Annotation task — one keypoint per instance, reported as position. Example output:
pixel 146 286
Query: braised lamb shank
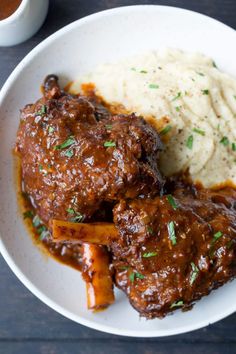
pixel 170 243
pixel 75 155
pixel 174 249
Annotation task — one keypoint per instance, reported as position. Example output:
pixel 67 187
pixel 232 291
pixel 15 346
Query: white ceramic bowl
pixel 24 22
pixel 71 52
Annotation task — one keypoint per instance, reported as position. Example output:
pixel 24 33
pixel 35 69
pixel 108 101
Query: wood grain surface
pixel 26 324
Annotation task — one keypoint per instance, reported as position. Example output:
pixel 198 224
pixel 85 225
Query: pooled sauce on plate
pixel 8 7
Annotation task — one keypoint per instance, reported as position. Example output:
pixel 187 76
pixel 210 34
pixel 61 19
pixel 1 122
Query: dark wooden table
pixel 27 326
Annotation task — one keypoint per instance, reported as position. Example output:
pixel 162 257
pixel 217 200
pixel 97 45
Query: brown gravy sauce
pixel 8 7
pixel 66 253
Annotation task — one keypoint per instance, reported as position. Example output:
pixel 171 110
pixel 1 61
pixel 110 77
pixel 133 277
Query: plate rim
pixel 3 251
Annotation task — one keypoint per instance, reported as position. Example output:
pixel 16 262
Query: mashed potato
pixel 190 101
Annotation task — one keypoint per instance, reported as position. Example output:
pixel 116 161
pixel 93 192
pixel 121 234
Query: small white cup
pixel 24 22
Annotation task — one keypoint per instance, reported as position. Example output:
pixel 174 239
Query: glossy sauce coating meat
pixel 175 249
pixel 75 155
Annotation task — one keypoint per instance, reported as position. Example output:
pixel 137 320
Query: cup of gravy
pixel 20 19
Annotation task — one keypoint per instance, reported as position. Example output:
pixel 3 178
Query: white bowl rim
pixel 20 275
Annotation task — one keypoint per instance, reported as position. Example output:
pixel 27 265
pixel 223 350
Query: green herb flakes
pixel 224 141
pixel 42 111
pixel 177 109
pixel 51 130
pixel 28 214
pixel 194 273
pixel 150 230
pixel 229 244
pixel 143 72
pixel 77 216
pixel 177 96
pixel 189 142
pixel 109 144
pixel 136 275
pixel 123 268
pixel 44 233
pixel 172 201
pixel 199 73
pixel 70 211
pixel 68 142
pixel 153 86
pixel 149 254
pixel 205 92
pixel 69 153
pixel 234 146
pixel 165 130
pixel 36 221
pixel 177 304
pixel 108 127
pixel 217 235
pixel 171 232
pixel 199 131
pixel 214 64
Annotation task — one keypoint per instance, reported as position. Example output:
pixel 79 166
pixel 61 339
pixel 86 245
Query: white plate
pixel 71 52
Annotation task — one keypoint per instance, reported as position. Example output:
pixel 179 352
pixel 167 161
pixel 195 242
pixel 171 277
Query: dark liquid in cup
pixel 8 7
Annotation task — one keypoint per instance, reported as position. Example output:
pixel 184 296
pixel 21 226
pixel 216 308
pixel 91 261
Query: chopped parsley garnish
pixel 165 130
pixel 149 254
pixel 108 126
pixel 77 216
pixel 172 201
pixel 41 229
pixel 123 268
pixel 224 141
pixel 229 244
pixel 177 108
pixel 51 130
pixel 135 275
pixel 189 142
pixel 133 69
pixel 42 111
pixel 109 144
pixel 131 277
pixel 150 230
pixel 177 304
pixel 200 74
pixel 40 168
pixel 234 146
pixel 205 92
pixel 28 214
pixel 171 232
pixel 235 97
pixel 43 232
pixel 217 235
pixel 69 153
pixel 143 72
pixel 68 142
pixel 153 86
pixel 36 221
pixel 199 131
pixel 177 96
pixel 194 273
pixel 214 64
